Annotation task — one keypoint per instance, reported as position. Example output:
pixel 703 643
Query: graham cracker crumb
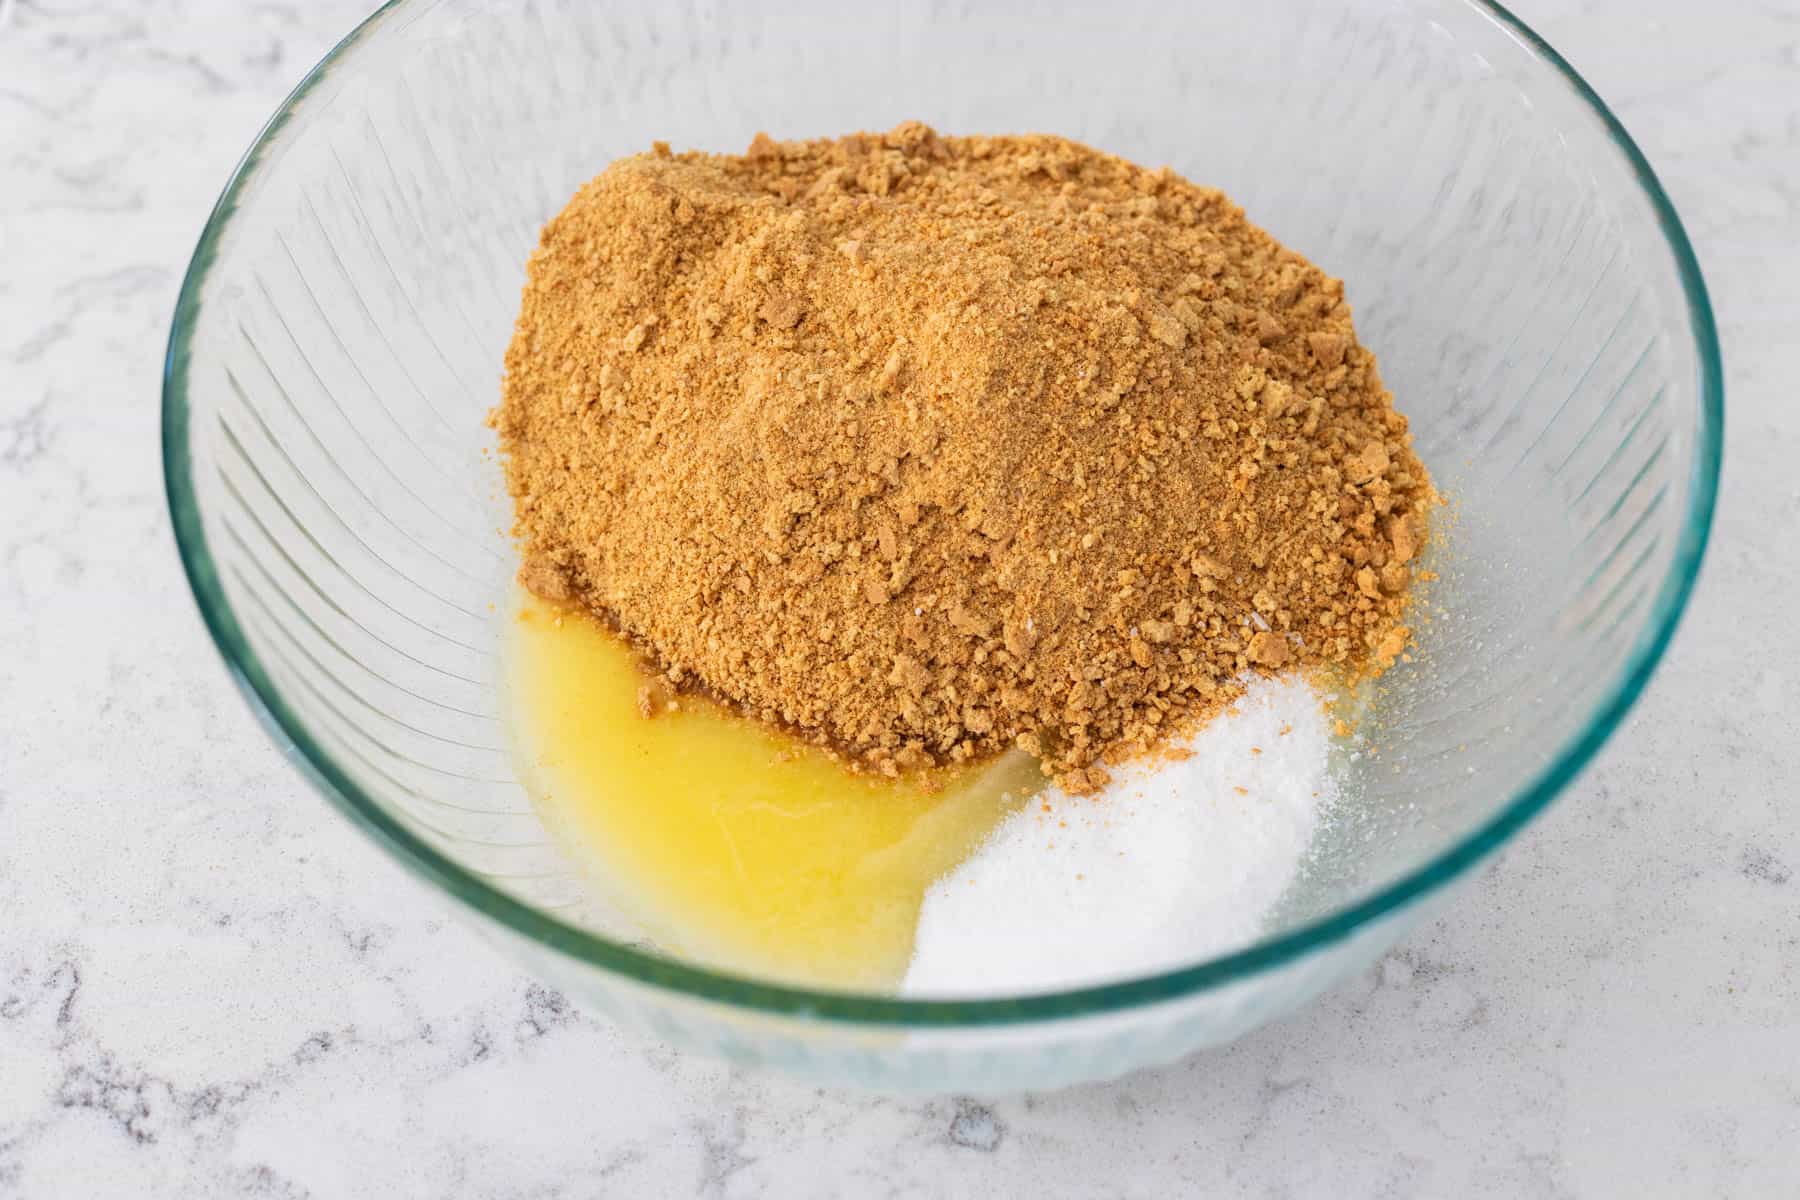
pixel 926 447
pixel 1269 650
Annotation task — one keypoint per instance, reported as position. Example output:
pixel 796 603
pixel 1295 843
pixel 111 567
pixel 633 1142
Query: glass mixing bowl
pixel 1534 302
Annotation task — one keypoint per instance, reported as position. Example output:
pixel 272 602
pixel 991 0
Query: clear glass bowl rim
pixel 870 1009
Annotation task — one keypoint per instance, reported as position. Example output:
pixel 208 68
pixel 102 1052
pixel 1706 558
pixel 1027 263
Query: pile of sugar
pixel 1176 861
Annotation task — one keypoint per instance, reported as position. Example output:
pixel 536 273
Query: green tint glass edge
pixel 853 1008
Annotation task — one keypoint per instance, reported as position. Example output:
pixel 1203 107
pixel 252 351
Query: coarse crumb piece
pixel 931 446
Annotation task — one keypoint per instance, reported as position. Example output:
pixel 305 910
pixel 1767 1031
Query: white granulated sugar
pixel 1170 864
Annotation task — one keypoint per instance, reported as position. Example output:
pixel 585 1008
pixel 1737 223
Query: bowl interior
pixel 340 340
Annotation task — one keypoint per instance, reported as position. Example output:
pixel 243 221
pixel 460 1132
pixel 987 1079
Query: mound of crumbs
pixel 924 447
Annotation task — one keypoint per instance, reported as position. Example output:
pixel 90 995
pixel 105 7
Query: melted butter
pixel 729 841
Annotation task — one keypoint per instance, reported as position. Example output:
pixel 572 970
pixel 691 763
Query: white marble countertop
pixel 211 985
